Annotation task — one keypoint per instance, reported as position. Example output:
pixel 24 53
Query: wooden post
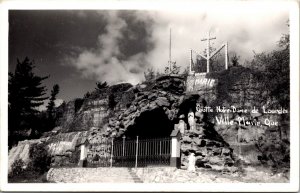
pixel 136 151
pixel 175 149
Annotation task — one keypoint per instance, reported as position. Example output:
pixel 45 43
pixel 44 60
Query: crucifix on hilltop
pixel 208 55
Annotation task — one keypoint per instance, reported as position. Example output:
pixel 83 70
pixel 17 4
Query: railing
pixel 131 153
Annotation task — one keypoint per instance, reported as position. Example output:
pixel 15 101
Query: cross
pixel 207 51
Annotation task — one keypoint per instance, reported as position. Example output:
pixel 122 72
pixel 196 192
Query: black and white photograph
pixel 179 98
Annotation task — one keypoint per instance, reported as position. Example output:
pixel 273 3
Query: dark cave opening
pixel 150 124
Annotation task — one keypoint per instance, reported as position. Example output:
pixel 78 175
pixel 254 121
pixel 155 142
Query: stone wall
pixel 61 148
pixel 165 93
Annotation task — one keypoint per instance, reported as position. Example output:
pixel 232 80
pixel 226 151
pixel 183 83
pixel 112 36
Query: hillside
pixel 151 109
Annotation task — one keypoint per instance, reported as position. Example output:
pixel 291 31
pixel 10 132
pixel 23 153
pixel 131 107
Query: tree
pixel 101 85
pixel 149 74
pixel 25 94
pixel 174 69
pixel 51 106
pixel 276 68
pixel 87 95
pixel 235 60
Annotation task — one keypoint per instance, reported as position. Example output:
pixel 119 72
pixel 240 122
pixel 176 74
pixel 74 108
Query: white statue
pixel 192 162
pixel 191 120
pixel 181 124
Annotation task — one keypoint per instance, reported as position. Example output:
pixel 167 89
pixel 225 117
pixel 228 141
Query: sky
pixel 77 48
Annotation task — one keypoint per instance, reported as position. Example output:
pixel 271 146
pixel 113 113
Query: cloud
pixel 136 40
pixel 107 62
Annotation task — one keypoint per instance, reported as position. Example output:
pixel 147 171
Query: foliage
pixel 274 153
pixel 35 170
pixel 40 160
pixel 87 95
pixel 101 85
pixel 50 107
pixel 17 168
pixel 235 60
pixel 276 67
pixel 51 104
pixel 25 94
pixel 149 74
pixel 174 69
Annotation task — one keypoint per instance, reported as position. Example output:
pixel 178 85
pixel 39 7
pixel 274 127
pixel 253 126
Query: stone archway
pixel 150 124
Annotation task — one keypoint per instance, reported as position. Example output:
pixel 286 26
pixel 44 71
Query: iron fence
pixel 130 153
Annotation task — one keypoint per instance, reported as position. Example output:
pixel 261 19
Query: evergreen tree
pixel 25 94
pixel 51 106
pixel 235 60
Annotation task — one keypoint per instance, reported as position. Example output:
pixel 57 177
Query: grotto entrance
pixel 153 146
pixel 150 124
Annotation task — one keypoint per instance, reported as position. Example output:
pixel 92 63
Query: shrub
pixel 40 160
pixel 17 168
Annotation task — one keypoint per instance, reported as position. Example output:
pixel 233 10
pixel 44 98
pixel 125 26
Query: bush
pixel 17 168
pixel 40 160
pixel 275 153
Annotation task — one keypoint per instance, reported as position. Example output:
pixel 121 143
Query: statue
pixel 191 120
pixel 181 125
pixel 192 162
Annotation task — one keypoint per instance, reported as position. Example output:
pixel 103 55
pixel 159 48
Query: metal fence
pixel 130 153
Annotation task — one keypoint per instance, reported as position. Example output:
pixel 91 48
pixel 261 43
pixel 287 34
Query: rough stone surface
pixel 173 175
pixel 95 175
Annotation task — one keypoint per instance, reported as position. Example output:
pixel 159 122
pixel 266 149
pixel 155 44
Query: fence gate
pixel 130 153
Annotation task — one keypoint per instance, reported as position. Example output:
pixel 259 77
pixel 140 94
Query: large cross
pixel 207 49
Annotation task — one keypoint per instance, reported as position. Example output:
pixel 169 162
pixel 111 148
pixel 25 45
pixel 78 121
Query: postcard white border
pixel 158 5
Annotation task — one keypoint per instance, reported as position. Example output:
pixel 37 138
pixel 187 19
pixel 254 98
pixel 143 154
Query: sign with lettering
pixel 199 81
